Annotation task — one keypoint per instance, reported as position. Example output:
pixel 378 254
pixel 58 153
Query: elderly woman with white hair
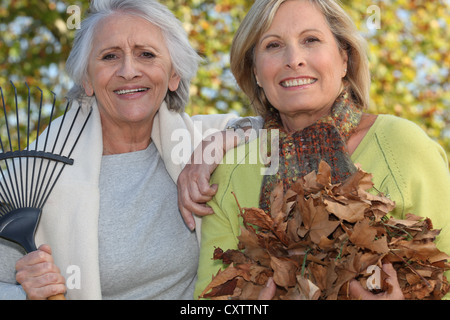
pixel 111 228
pixel 304 66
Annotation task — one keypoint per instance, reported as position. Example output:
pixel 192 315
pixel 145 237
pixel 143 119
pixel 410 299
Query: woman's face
pixel 130 70
pixel 299 65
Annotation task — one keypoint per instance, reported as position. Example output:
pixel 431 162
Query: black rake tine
pixel 40 179
pixel 60 128
pixel 19 148
pixel 19 202
pixel 81 131
pixel 73 147
pixel 3 209
pixel 47 193
pixel 39 189
pixel 32 191
pixel 55 164
pixel 24 194
pixel 28 144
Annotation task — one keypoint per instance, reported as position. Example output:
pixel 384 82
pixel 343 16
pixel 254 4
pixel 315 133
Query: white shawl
pixel 69 222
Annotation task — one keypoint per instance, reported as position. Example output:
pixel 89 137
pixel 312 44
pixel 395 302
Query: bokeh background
pixel 409 42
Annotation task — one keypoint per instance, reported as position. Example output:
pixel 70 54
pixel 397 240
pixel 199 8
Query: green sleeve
pixel 220 230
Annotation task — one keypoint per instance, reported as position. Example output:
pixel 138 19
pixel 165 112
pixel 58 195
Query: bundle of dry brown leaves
pixel 320 236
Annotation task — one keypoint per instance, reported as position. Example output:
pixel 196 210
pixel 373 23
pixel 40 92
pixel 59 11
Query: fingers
pixel 397 293
pixel 358 292
pixel 188 218
pixel 269 291
pixel 194 191
pixel 188 206
pixel 200 191
pixel 46 248
pixel 390 271
pixel 39 276
pixel 194 187
pixel 43 254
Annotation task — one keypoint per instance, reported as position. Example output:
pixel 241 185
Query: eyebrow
pixel 109 49
pixel 277 36
pixel 138 46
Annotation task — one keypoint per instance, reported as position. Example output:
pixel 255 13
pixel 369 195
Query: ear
pixel 256 77
pixel 344 62
pixel 88 88
pixel 174 82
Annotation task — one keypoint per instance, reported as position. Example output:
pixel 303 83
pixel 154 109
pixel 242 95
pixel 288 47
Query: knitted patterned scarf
pixel 301 151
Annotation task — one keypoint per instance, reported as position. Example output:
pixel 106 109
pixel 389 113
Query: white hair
pixel 184 58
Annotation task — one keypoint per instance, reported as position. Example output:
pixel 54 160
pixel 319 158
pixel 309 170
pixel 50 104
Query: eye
pixel 147 54
pixel 272 45
pixel 109 56
pixel 311 40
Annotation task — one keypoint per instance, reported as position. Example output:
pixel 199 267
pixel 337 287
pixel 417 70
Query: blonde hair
pixel 259 19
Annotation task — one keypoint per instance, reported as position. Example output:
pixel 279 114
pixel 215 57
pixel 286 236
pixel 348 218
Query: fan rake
pixel 28 175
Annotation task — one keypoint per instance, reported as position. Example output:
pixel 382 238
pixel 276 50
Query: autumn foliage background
pixel 409 53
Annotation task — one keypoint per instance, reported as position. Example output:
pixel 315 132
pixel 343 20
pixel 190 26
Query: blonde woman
pixel 304 67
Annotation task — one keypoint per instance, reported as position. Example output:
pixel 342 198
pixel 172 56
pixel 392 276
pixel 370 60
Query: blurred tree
pixel 409 60
pixel 408 42
pixel 211 25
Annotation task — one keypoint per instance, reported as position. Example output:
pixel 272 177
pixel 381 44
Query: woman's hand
pixel 194 189
pixel 268 292
pixel 358 292
pixel 39 276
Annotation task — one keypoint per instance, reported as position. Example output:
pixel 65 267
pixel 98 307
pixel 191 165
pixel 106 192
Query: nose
pixel 295 57
pixel 128 69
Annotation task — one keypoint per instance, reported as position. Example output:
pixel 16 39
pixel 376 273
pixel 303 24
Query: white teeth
pixel 297 82
pixel 120 92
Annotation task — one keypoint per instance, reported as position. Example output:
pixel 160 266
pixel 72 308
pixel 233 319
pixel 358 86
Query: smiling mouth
pixel 297 82
pixel 122 92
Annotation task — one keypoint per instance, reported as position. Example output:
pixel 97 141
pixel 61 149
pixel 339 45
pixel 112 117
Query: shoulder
pixel 403 138
pixel 207 124
pixel 401 144
pixel 397 127
pixel 405 163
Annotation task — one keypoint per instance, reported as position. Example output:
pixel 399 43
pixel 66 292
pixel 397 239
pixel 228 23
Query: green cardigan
pixel 406 165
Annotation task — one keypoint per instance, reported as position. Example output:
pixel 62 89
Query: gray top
pixel 9 254
pixel 146 250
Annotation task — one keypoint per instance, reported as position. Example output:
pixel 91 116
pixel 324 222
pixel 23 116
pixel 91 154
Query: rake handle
pixel 57 297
